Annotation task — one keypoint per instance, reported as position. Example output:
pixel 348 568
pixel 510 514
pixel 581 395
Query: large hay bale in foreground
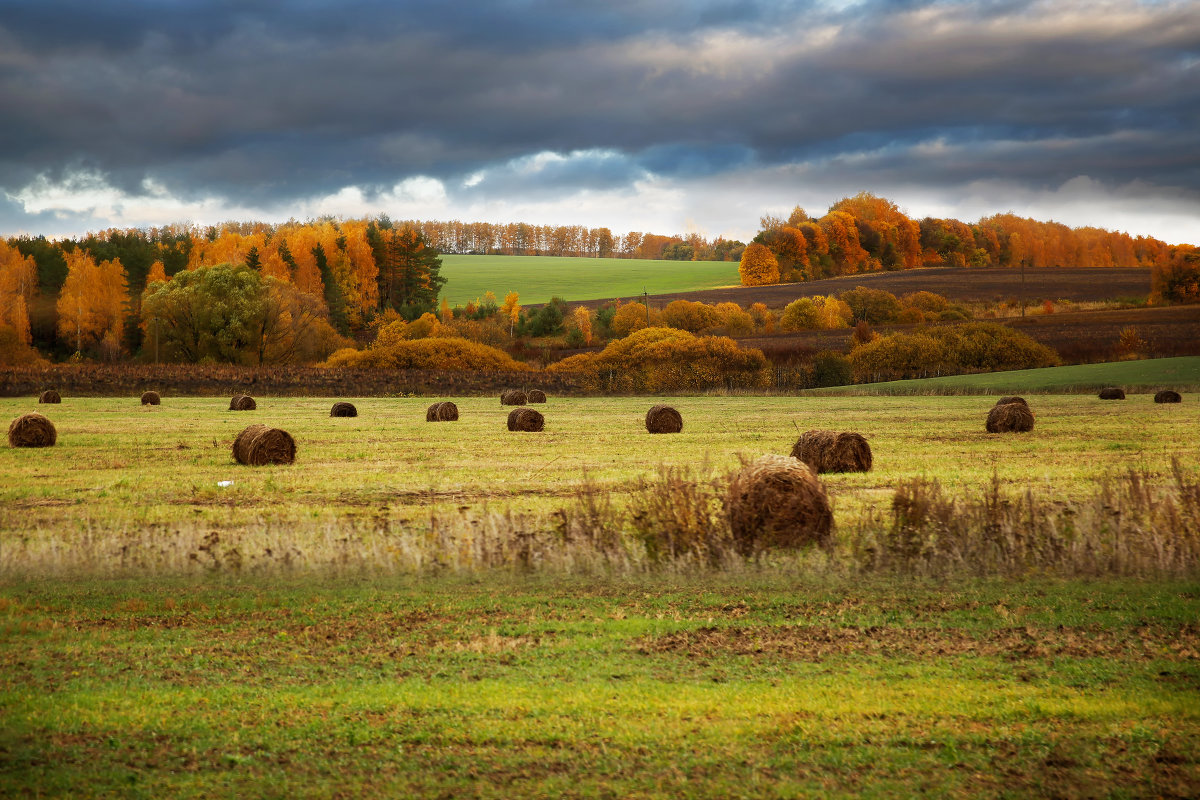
pixel 1010 418
pixel 49 396
pixel 1168 396
pixel 444 411
pixel 536 396
pixel 850 452
pixel 811 447
pixel 777 501
pixel 151 399
pixel 259 445
pixel 32 430
pixel 1112 393
pixel 663 419
pixel 513 397
pixel 343 409
pixel 242 402
pixel 1006 400
pixel 526 419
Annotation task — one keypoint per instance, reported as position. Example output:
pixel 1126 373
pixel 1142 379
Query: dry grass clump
pixel 343 409
pixel 526 419
pixel 1006 400
pixel 829 451
pixel 536 396
pixel 444 411
pixel 777 502
pixel 1010 418
pixel 259 445
pixel 242 402
pixel 32 430
pixel 663 419
pixel 151 399
pixel 1112 393
pixel 1168 396
pixel 49 396
pixel 513 397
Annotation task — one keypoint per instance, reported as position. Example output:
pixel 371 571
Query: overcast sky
pixel 665 116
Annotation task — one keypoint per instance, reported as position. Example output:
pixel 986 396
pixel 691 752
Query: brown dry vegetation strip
pixel 817 642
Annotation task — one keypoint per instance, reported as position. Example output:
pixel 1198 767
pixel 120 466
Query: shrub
pixel 830 368
pixel 871 305
pixel 973 347
pixel 629 318
pixel 815 313
pixel 15 353
pixel 925 301
pixel 758 266
pixel 438 354
pixel 688 316
pixel 734 320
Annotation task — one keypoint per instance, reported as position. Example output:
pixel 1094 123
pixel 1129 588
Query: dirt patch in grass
pixel 816 643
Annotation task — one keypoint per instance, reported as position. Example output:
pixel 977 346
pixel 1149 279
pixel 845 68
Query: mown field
pixel 330 629
pixel 538 278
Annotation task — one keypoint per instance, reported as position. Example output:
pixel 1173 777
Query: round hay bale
pixel 242 402
pixel 513 397
pixel 850 452
pixel 444 411
pixel 777 501
pixel 260 444
pixel 1010 418
pixel 1168 396
pixel 151 399
pixel 1112 393
pixel 1006 400
pixel 536 396
pixel 49 396
pixel 32 430
pixel 343 409
pixel 526 419
pixel 663 419
pixel 812 446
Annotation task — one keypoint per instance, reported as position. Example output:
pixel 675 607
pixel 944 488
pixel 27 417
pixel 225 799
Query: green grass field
pixel 538 278
pixel 322 664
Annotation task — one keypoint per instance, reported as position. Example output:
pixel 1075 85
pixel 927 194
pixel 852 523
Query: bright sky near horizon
pixel 667 117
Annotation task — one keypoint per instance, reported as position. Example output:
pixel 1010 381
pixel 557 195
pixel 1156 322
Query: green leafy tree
pixel 210 312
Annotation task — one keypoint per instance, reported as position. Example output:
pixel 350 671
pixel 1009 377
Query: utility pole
pixel 156 339
pixel 646 295
pixel 1023 260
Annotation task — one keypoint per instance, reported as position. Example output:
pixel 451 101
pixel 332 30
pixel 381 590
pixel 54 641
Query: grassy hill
pixel 538 278
pixel 1181 373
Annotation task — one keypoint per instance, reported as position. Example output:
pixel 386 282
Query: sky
pixel 669 116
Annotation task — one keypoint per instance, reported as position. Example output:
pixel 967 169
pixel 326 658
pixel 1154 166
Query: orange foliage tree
pixel 759 266
pixel 92 304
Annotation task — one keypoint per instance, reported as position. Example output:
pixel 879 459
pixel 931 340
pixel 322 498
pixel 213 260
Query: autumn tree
pixel 18 288
pixel 91 305
pixel 581 321
pixel 758 266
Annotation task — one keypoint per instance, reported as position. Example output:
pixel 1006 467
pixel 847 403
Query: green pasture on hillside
pixel 1149 375
pixel 538 278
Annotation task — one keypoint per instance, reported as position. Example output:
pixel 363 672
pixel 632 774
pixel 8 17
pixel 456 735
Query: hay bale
pixel 850 452
pixel 1010 418
pixel 1168 396
pixel 812 446
pixel 49 396
pixel 444 411
pixel 777 501
pixel 526 419
pixel 151 399
pixel 1006 400
pixel 1112 393
pixel 343 409
pixel 242 402
pixel 536 396
pixel 260 444
pixel 663 419
pixel 32 430
pixel 513 397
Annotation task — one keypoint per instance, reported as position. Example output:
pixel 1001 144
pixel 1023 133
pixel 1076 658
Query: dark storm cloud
pixel 266 102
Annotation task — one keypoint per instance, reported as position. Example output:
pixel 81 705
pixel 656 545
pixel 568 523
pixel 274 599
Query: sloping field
pixel 539 278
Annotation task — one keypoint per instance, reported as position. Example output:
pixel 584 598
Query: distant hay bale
pixel 151 399
pixel 1112 393
pixel 242 402
pixel 513 397
pixel 259 445
pixel 1168 396
pixel 663 419
pixel 850 452
pixel 1010 418
pixel 812 446
pixel 32 430
pixel 778 502
pixel 343 409
pixel 1006 400
pixel 536 396
pixel 49 396
pixel 526 419
pixel 444 411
